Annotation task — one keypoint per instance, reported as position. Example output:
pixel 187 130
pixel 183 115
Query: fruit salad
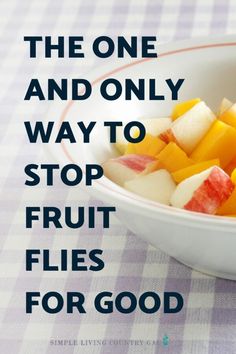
pixel 187 160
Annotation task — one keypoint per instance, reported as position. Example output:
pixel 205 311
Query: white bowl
pixel 206 243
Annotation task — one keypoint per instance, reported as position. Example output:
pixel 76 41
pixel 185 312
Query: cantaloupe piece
pixel 173 158
pixel 150 145
pixel 231 166
pixel 233 176
pixel 229 207
pixel 153 126
pixel 189 171
pixel 219 142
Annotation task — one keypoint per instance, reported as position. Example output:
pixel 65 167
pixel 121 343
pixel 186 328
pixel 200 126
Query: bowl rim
pixel 109 190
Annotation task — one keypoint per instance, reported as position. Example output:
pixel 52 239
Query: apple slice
pixel 224 105
pixel 153 126
pixel 156 126
pixel 182 107
pixel 157 186
pixel 229 116
pixel 204 192
pixel 190 128
pixel 125 168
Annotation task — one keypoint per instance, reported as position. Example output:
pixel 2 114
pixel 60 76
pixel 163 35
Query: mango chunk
pixel 183 107
pixel 150 145
pixel 189 171
pixel 229 116
pixel 219 142
pixel 173 158
pixel 229 207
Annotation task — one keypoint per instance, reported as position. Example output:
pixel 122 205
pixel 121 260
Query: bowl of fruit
pixel 176 187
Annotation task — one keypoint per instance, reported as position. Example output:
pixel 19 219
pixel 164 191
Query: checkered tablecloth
pixel 207 323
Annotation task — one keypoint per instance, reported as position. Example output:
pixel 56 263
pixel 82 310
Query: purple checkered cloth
pixel 207 323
